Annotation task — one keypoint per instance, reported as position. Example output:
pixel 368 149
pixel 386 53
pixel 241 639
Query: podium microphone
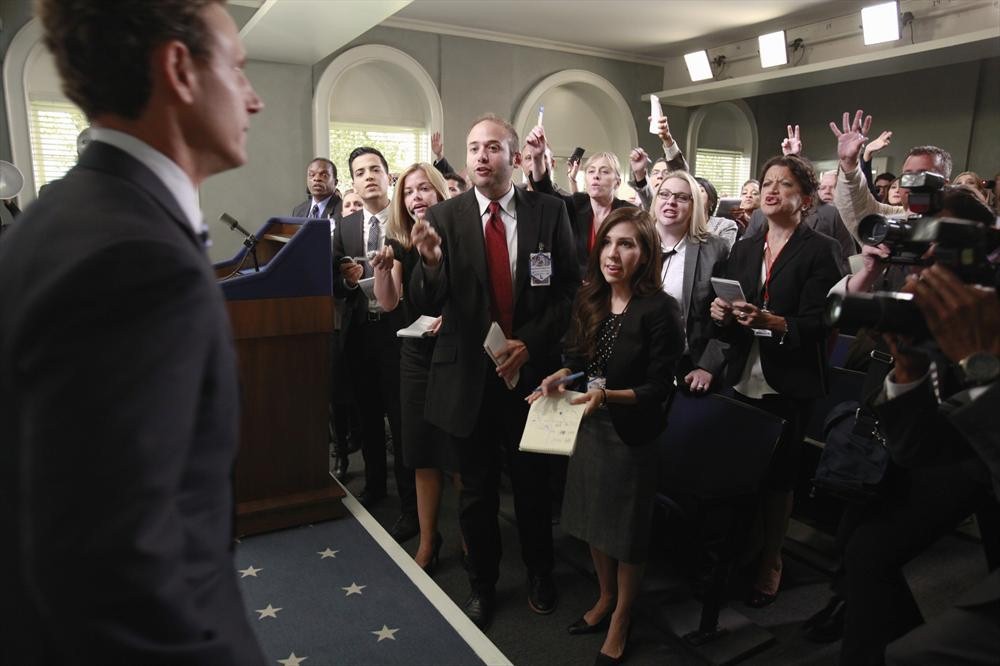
pixel 250 240
pixel 234 224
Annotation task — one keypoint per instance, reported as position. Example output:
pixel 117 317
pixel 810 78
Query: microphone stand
pixel 250 243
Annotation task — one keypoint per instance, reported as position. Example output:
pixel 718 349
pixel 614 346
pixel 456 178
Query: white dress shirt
pixel 752 383
pixel 170 174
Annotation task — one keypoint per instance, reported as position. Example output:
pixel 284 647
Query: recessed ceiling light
pixel 772 49
pixel 881 23
pixel 698 65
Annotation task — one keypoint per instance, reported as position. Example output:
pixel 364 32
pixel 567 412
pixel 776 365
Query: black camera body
pixel 963 246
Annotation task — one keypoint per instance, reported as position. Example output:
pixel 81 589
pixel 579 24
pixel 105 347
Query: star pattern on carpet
pixel 354 588
pixel 270 611
pixel 384 633
pixel 249 571
pixel 292 660
pixel 323 554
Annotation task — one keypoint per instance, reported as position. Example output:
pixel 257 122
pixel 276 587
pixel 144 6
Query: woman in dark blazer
pixel 776 356
pixel 691 256
pixel 626 336
pixel 588 209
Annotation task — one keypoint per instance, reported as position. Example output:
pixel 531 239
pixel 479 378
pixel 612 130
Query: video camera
pixel 963 246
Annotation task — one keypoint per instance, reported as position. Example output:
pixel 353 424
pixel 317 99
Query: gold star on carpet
pixel 384 633
pixel 353 589
pixel 250 571
pixel 270 611
pixel 292 660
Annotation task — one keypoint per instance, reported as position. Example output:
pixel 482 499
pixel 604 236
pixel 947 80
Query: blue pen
pixel 568 379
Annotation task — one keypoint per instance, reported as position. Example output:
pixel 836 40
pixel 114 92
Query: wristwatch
pixel 980 368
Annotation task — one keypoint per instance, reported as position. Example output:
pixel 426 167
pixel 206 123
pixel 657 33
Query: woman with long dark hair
pixel 626 335
pixel 426 449
pixel 776 354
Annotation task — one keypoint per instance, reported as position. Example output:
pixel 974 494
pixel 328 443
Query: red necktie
pixel 498 263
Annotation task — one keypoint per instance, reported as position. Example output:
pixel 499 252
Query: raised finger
pixel 866 125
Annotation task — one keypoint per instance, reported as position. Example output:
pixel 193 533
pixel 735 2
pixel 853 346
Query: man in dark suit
pixel 118 386
pixel 369 340
pixel 323 201
pixel 496 254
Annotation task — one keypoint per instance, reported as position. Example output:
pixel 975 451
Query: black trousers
pixel 923 505
pixel 497 433
pixel 373 350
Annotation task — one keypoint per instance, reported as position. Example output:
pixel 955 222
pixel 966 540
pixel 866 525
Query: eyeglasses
pixel 680 197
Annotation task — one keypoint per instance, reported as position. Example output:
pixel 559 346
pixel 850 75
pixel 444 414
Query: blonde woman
pixel 426 449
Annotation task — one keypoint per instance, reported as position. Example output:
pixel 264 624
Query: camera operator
pixel 965 323
pixel 936 479
pixel 853 199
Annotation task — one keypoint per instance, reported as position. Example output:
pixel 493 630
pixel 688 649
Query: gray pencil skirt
pixel 609 491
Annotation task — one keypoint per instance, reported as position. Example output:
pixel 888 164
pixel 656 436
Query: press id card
pixel 540 265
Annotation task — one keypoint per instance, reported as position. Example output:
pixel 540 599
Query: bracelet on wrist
pixel 604 397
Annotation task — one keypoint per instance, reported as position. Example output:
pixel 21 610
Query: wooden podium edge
pixel 267 515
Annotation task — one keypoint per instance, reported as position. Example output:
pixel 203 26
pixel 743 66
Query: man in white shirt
pixel 119 400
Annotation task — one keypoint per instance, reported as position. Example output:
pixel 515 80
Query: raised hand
pixel 437 146
pixel 427 241
pixel 883 140
pixel 537 143
pixel 638 160
pixel 383 259
pixel 850 137
pixel 665 136
pixel 793 144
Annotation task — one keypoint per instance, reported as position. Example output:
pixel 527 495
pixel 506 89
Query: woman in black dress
pixel 776 340
pixel 426 449
pixel 626 335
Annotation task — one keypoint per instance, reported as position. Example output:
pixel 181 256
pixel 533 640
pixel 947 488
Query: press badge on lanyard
pixel 540 264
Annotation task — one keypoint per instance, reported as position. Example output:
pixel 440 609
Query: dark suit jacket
pixel 702 261
pixel 649 343
pixel 459 289
pixel 118 416
pixel 349 241
pixel 581 215
pixel 332 209
pixel 800 279
pixel 825 219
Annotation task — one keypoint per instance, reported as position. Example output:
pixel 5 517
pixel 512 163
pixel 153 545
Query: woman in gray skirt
pixel 626 336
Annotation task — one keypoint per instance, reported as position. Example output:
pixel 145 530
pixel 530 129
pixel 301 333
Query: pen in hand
pixel 568 379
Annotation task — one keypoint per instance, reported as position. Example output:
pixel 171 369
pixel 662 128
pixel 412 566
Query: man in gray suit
pixel 118 389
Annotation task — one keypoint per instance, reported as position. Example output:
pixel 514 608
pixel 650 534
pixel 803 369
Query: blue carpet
pixel 339 598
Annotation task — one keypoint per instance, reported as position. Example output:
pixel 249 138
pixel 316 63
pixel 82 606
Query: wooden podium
pixel 282 319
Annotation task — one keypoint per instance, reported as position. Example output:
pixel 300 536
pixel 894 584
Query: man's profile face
pixel 224 99
pixel 371 181
pixel 488 157
pixel 319 180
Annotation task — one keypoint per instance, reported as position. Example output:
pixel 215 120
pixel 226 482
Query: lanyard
pixel 770 268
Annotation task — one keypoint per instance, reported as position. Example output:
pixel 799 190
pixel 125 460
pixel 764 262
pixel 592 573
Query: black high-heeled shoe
pixel 435 555
pixel 581 627
pixel 607 660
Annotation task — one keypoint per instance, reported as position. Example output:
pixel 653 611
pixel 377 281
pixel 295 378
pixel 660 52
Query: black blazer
pixel 581 215
pixel 459 289
pixel 825 219
pixel 649 343
pixel 119 410
pixel 805 271
pixel 702 261
pixel 349 241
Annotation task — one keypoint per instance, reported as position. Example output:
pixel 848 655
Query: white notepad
pixel 728 290
pixel 420 328
pixel 495 345
pixel 553 424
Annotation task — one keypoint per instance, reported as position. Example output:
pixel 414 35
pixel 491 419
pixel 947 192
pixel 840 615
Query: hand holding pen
pixel 556 381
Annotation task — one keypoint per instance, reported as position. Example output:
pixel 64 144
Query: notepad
pixel 495 345
pixel 553 424
pixel 420 328
pixel 728 290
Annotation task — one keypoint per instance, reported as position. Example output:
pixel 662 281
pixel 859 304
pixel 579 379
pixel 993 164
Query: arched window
pixel 44 124
pixel 581 109
pixel 724 141
pixel 378 96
